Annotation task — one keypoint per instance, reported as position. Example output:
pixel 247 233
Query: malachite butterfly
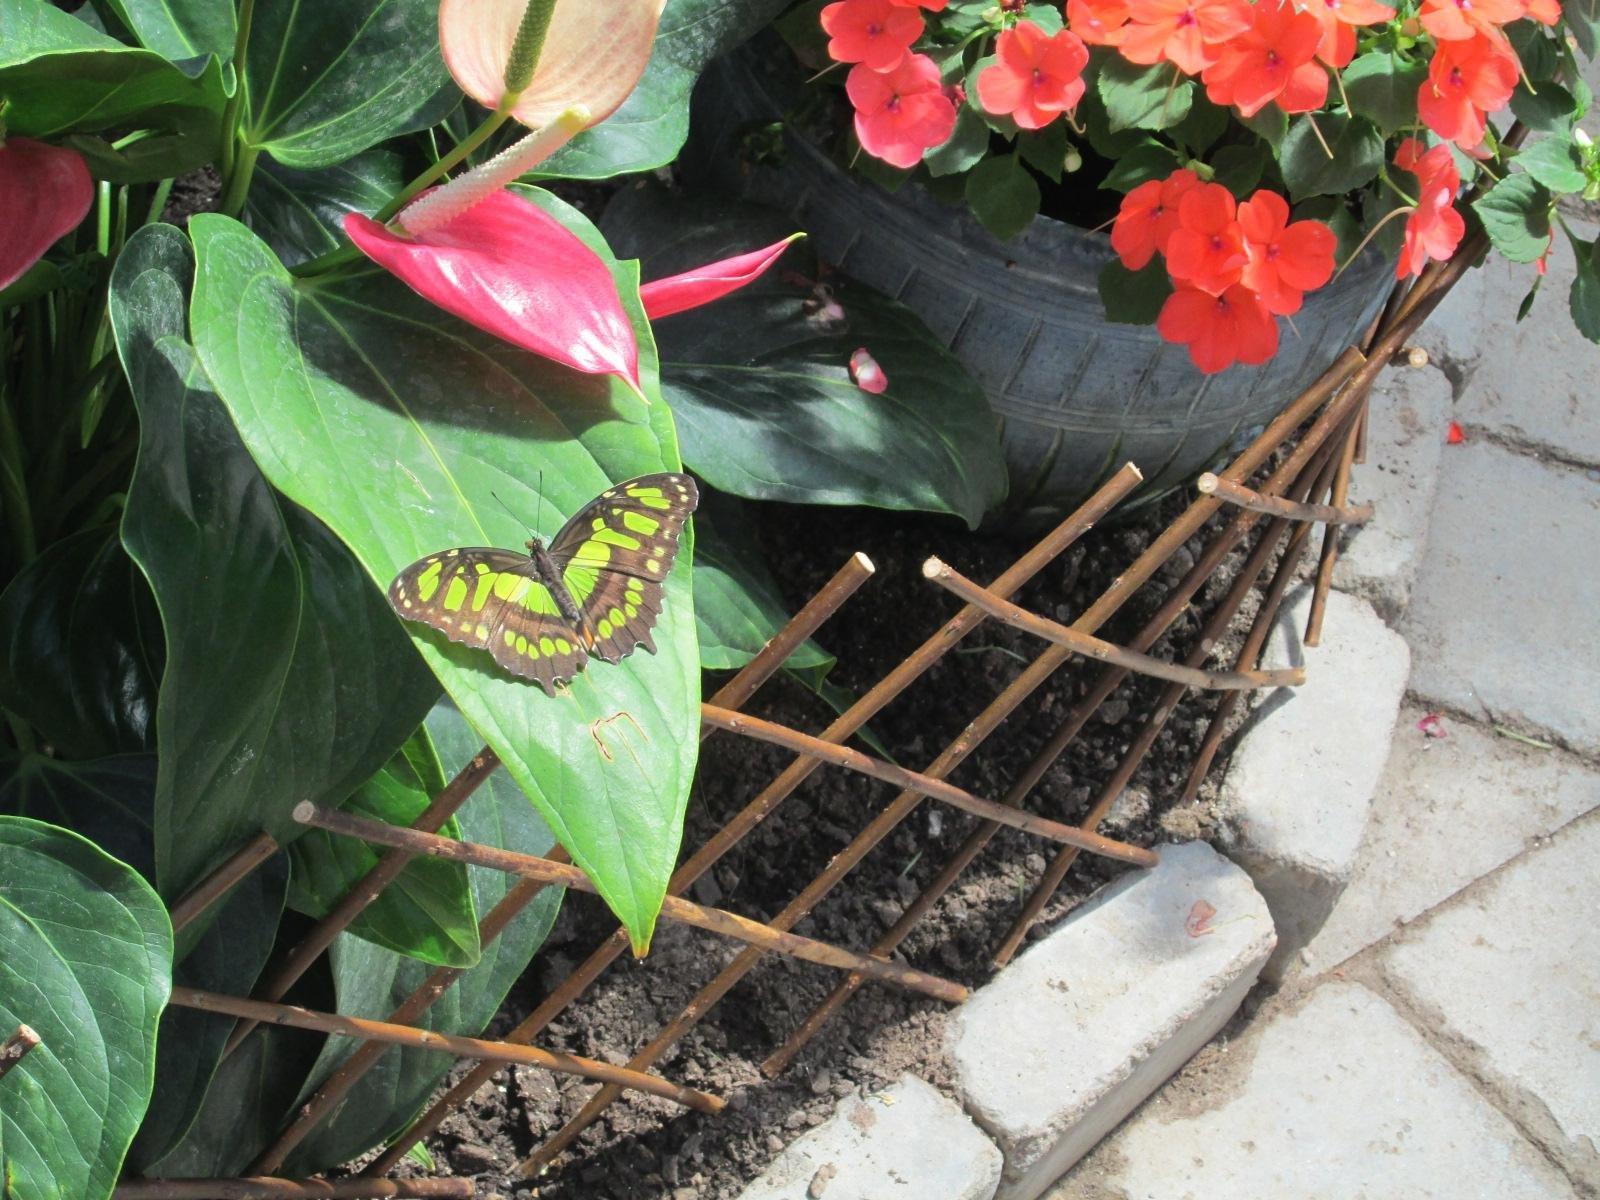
pixel 595 591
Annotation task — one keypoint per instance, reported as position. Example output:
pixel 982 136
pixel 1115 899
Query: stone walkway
pixel 1440 1035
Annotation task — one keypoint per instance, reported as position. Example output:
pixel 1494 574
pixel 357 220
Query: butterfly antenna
pixel 509 511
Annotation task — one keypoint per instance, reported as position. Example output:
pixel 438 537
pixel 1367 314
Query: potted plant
pixel 1038 180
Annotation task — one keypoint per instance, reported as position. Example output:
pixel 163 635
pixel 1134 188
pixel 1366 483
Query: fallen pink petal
pixel 1454 434
pixel 1198 922
pixel 866 374
pixel 1432 725
pixel 513 270
pixel 702 285
pixel 44 192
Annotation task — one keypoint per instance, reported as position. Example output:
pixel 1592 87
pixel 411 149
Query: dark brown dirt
pixel 648 1148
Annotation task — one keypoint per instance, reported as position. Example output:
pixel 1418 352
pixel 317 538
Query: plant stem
pixel 231 114
pixel 158 202
pixel 244 167
pixel 102 220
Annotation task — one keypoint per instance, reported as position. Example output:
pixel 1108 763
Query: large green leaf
pixel 409 433
pixel 299 213
pixel 59 75
pixel 85 959
pixel 650 127
pixel 427 912
pixel 287 677
pixel 1382 87
pixel 325 81
pixel 371 982
pixel 1327 154
pixel 760 387
pixel 181 29
pixel 81 652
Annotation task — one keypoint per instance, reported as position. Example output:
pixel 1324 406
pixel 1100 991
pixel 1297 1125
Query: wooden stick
pixel 16 1048
pixel 1277 506
pixel 261 1187
pixel 221 881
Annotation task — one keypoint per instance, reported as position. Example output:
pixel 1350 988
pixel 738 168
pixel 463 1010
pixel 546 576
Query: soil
pixel 644 1148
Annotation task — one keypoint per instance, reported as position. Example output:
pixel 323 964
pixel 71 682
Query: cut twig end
pixel 304 813
pixel 1132 468
pixel 865 563
pixel 17 1047
pixel 1206 484
pixel 933 567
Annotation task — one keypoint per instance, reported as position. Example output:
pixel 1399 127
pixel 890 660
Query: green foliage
pixel 1003 196
pixel 965 147
pixel 1516 216
pixel 1138 97
pixel 1383 88
pixel 1556 162
pixel 1585 296
pixel 1140 165
pixel 1326 154
pixel 1134 297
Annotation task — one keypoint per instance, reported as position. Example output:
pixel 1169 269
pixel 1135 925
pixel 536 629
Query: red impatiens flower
pixel 930 5
pixel 1458 20
pixel 1434 229
pixel 1148 217
pixel 875 33
pixel 1187 33
pixel 1467 80
pixel 1286 259
pixel 1206 250
pixel 1219 330
pixel 1036 76
pixel 1339 20
pixel 1098 22
pixel 1275 59
pixel 44 192
pixel 903 113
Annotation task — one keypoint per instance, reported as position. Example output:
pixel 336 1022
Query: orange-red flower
pixel 1339 20
pixel 876 33
pixel 1148 217
pixel 1275 59
pixel 1458 20
pixel 1219 330
pixel 1187 33
pixel 930 5
pixel 903 113
pixel 1206 250
pixel 1285 259
pixel 1434 228
pixel 1098 22
pixel 1467 80
pixel 1036 76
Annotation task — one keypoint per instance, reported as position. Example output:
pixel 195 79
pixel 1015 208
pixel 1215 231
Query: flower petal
pixel 513 270
pixel 866 374
pixel 585 60
pixel 691 289
pixel 44 191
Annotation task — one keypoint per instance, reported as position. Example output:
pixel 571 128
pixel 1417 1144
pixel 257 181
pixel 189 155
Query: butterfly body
pixel 595 591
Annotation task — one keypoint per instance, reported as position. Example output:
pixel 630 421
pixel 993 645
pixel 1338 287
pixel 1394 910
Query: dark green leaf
pixel 106 800
pixel 1270 124
pixel 1554 161
pixel 1526 306
pixel 1205 123
pixel 1239 168
pixel 427 912
pixel 759 381
pixel 650 127
pixel 85 959
pixel 1516 216
pixel 443 435
pixel 287 676
pixel 1383 88
pixel 736 600
pixel 801 30
pixel 1582 18
pixel 965 147
pixel 1134 297
pixel 1045 150
pixel 1003 196
pixel 1144 163
pixel 1348 154
pixel 82 648
pixel 1551 110
pixel 1138 97
pixel 1585 295
pixel 181 29
pixel 327 80
pixel 299 213
pixel 371 982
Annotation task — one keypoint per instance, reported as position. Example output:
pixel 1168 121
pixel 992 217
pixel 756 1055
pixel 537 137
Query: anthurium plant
pixel 1256 145
pixel 334 448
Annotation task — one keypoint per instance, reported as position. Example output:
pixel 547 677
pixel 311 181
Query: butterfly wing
pixel 491 599
pixel 615 553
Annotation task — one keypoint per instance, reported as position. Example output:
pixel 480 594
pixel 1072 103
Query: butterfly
pixel 595 591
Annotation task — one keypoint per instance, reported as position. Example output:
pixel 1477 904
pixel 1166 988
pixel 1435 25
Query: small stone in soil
pixel 707 891
pixel 822 1082
pixel 774 1143
pixel 1034 864
pixel 469 1158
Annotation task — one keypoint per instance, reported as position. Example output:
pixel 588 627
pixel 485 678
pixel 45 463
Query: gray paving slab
pixel 1409 413
pixel 1447 810
pixel 1504 611
pixel 1513 967
pixel 907 1142
pixel 1340 1099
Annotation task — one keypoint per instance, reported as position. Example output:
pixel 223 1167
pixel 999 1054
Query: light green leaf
pixel 181 29
pixel 1138 97
pixel 1554 161
pixel 409 433
pixel 1383 88
pixel 1516 215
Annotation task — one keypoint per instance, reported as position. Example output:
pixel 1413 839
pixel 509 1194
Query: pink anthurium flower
pixel 592 54
pixel 44 192
pixel 691 289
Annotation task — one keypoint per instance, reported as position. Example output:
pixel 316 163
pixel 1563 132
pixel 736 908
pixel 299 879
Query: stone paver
pixel 1504 608
pixel 1447 811
pixel 1340 1100
pixel 1074 1034
pixel 908 1142
pixel 1301 782
pixel 1410 410
pixel 1514 967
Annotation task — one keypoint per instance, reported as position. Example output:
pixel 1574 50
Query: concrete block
pixel 906 1143
pixel 1447 811
pixel 1502 617
pixel 1409 414
pixel 1071 1037
pixel 1301 782
pixel 1338 1100
pixel 1513 967
pixel 1453 334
